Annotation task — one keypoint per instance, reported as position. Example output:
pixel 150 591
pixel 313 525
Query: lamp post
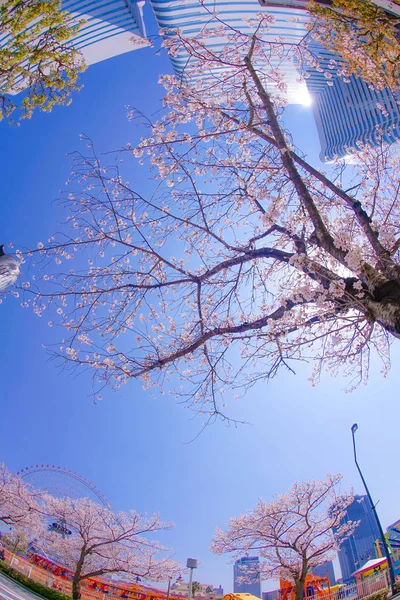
pixel 385 546
pixel 9 269
pixel 178 581
pixel 191 564
pixel 169 587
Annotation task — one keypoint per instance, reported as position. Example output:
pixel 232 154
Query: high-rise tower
pixel 287 24
pixel 347 113
pixel 359 547
pixel 248 567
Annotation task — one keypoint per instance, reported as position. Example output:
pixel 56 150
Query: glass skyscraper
pixel 345 113
pixel 349 112
pixel 359 547
pixel 190 17
pixel 248 567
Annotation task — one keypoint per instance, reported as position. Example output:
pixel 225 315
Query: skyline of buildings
pixel 247 566
pixel 345 113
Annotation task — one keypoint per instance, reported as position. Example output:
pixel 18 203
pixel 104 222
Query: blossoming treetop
pixel 244 259
pixel 291 534
pixel 19 506
pixel 101 541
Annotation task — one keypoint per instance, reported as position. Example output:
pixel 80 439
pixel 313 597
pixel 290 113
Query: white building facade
pixel 111 27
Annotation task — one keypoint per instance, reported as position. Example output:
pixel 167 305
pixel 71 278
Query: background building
pixel 345 113
pixel 393 537
pixel 350 112
pixel 359 547
pixel 247 566
pixel 203 590
pixel 289 24
pixel 325 570
pixel 271 595
pixel 111 28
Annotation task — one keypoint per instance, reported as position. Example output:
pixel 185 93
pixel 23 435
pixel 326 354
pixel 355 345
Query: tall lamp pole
pixel 385 546
pixel 191 564
pixel 169 587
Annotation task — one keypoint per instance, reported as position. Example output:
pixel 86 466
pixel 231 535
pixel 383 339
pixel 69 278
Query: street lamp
pixel 9 269
pixel 385 546
pixel 191 564
pixel 169 587
pixel 178 580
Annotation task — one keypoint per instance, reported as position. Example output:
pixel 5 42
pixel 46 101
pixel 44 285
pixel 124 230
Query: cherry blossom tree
pixel 291 534
pixel 242 259
pixel 364 36
pixel 99 541
pixel 19 506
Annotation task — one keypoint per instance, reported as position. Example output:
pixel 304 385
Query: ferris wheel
pixel 61 483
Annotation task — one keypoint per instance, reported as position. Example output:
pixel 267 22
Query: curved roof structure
pixel 111 28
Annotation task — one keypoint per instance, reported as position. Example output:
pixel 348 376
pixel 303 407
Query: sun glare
pixel 305 99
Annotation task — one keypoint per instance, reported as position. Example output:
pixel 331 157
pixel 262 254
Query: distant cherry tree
pixel 98 541
pixel 292 534
pixel 241 259
pixel 19 506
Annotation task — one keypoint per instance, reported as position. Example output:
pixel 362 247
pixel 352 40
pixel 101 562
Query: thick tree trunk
pixel 299 586
pixel 384 306
pixel 76 582
pixel 322 233
pixel 76 587
pixel 386 314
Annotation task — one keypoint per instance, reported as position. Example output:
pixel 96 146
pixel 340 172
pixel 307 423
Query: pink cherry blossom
pixel 291 534
pixel 100 541
pixel 252 261
pixel 19 505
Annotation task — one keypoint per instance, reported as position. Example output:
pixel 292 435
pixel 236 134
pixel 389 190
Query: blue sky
pixel 135 448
